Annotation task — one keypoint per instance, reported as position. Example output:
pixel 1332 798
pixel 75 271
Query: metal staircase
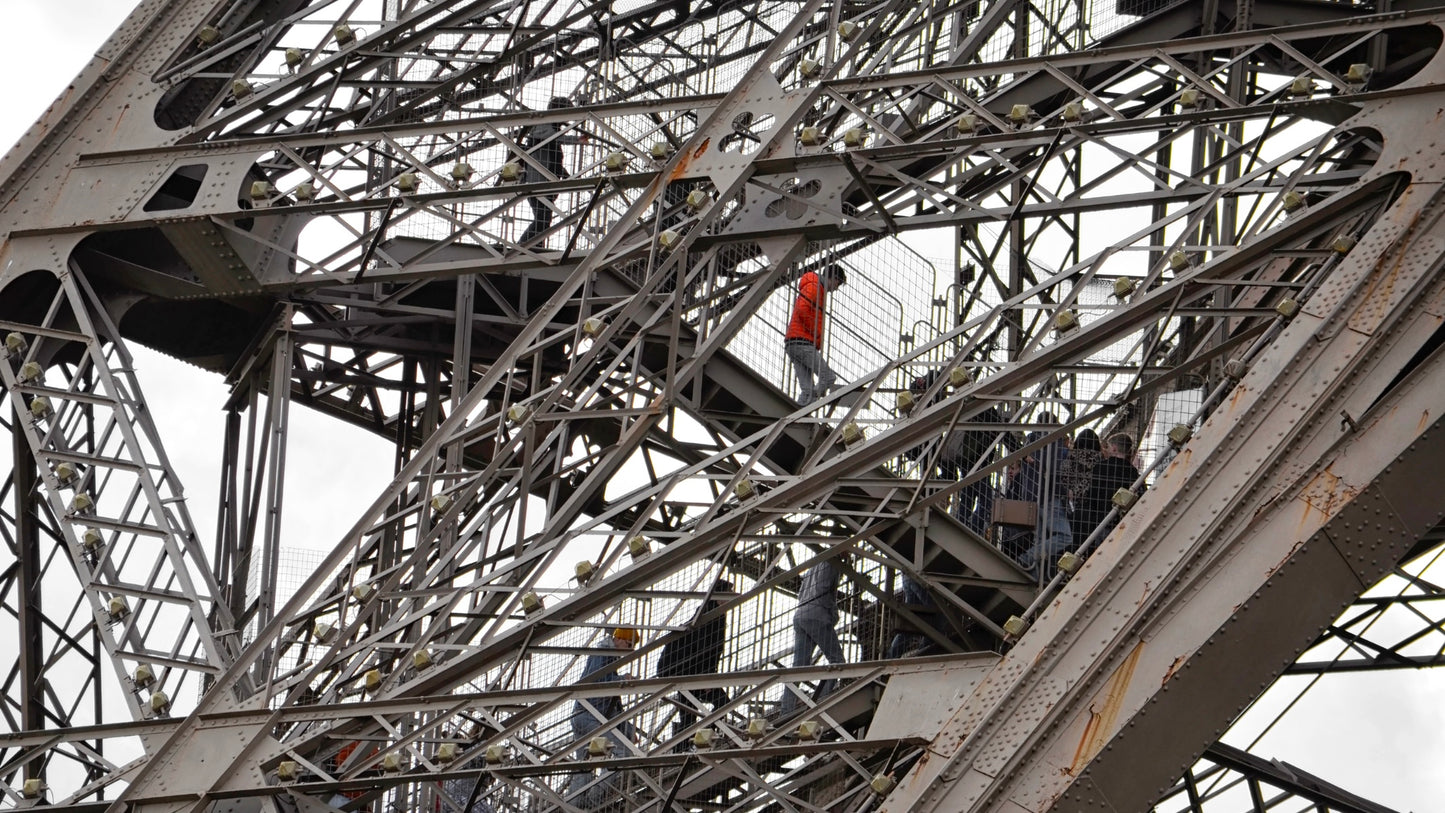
pixel 592 428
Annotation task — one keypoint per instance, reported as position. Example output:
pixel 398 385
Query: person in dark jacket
pixel 963 450
pixel 698 651
pixel 1078 473
pixel 1113 472
pixel 543 142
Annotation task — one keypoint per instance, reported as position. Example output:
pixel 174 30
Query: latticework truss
pixel 547 252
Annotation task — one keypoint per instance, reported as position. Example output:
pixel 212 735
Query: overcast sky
pixel 1381 736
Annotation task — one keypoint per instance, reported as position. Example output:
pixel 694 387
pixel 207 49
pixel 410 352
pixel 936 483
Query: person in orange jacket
pixel 804 340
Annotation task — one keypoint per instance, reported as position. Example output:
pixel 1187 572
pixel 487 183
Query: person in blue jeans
pixel 814 625
pixel 600 668
pixel 915 597
pixel 1052 535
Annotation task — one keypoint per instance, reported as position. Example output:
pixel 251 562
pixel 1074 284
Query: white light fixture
pixel 29 371
pixel 1123 286
pixel 697 199
pixel 15 342
pixel 160 703
pixel 809 68
pixel 240 88
pixel 810 136
pixel 744 489
pixel 345 34
pixel 208 35
pixel 260 190
pixel 967 123
pixel 1020 114
pixel 408 182
pixel 461 172
pixel 616 161
pixel 511 171
pixel 144 675
pixel 288 770
pixel 531 602
pixel 904 402
pixel 660 151
pixel 305 191
pixel 847 30
pixel 1189 98
pixel 294 57
pixel 1066 321
pixel 584 571
pixel 855 137
pixel 638 546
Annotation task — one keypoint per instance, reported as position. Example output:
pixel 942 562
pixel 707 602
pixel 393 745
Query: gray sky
pixel 1381 736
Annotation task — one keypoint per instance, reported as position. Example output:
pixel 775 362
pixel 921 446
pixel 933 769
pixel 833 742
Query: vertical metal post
pixel 28 594
pixel 278 407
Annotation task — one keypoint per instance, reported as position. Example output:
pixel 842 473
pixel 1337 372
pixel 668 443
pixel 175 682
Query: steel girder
pixel 1230 779
pixel 487 359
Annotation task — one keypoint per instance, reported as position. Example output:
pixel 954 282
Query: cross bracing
pixel 339 227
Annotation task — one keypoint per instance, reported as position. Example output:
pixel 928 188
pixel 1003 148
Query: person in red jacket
pixel 804 340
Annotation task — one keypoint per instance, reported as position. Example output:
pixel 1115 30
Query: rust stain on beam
pixel 1104 712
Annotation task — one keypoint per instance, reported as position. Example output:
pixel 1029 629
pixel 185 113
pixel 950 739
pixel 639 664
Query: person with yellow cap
pixel 590 714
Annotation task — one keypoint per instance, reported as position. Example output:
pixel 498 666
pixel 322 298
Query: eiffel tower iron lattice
pixel 547 253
